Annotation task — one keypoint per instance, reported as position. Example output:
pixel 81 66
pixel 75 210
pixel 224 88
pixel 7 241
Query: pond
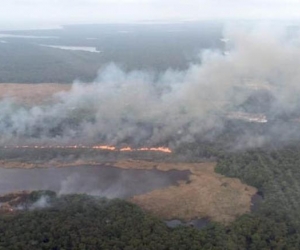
pixel 197 223
pixel 106 181
pixel 75 48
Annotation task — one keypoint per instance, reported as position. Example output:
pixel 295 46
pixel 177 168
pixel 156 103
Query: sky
pixel 34 13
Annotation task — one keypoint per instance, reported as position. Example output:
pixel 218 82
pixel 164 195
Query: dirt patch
pixel 206 195
pixel 31 94
pixel 53 163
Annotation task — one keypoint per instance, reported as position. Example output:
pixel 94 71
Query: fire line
pixel 96 147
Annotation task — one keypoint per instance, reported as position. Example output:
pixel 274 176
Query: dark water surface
pixel 110 182
pixel 197 223
pixel 256 201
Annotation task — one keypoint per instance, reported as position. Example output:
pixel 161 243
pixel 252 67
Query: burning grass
pixel 8 201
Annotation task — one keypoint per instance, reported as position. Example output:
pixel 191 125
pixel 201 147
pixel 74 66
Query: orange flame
pixel 104 147
pixel 97 147
pixel 160 149
pixel 126 149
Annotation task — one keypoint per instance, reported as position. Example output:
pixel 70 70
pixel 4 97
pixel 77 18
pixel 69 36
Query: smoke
pixel 174 107
pixel 42 202
pixel 103 181
pixel 115 183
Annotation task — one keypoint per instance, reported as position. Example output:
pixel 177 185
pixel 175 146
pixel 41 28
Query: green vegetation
pixel 77 222
pixel 85 222
pixel 276 174
pixel 23 62
pixel 154 48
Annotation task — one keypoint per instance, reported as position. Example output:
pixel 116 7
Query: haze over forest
pixel 157 103
pixel 149 124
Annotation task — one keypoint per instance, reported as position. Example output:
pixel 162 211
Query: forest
pixel 154 48
pixel 85 222
pixel 45 220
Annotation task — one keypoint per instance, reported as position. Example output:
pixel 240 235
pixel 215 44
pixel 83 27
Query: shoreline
pixel 206 194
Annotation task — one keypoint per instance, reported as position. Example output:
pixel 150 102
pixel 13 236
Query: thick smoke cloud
pixel 148 109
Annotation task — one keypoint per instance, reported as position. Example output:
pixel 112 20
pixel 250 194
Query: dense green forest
pixel 274 224
pixel 78 221
pixel 153 48
pixel 84 222
pixel 275 172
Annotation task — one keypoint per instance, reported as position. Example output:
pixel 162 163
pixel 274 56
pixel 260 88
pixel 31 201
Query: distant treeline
pixel 139 47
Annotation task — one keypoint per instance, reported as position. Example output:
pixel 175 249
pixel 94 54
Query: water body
pixel 76 48
pixel 102 181
pixel 27 36
pixel 256 201
pixel 197 223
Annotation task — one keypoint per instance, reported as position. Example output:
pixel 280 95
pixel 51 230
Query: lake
pixel 110 182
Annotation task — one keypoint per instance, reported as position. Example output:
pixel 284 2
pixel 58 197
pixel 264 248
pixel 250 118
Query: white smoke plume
pixel 144 108
pixel 42 202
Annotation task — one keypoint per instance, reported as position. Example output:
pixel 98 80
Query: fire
pixel 104 148
pixel 160 149
pixel 126 149
pixel 96 147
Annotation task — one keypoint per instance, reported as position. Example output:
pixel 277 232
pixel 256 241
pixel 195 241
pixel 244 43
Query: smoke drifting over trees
pixel 146 108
